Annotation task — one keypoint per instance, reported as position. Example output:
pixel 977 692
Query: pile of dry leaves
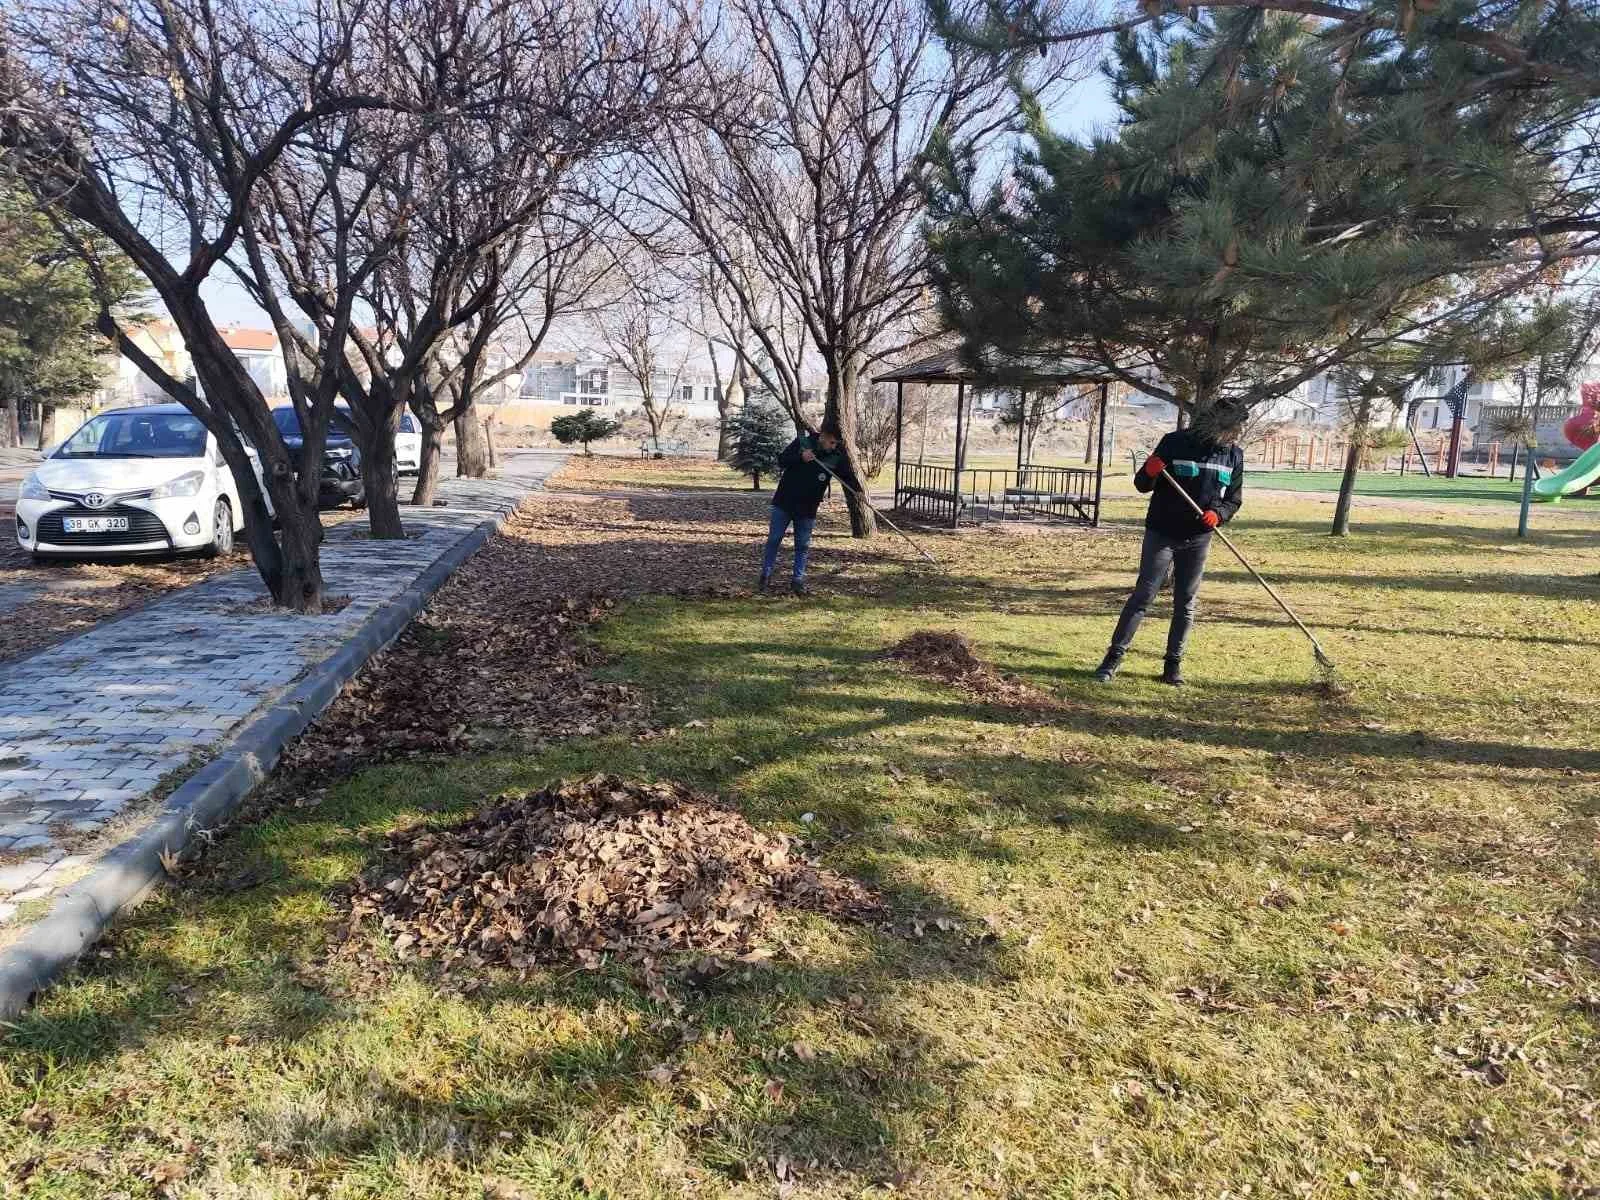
pixel 595 869
pixel 949 658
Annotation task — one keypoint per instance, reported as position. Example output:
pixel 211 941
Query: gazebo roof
pixel 947 366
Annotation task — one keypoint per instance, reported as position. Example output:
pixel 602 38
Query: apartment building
pixel 592 379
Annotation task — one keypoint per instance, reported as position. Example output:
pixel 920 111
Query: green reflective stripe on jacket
pixel 1186 468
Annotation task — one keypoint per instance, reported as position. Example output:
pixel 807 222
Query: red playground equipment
pixel 1582 429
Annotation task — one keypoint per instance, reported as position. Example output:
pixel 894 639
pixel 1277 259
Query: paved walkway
pixel 92 725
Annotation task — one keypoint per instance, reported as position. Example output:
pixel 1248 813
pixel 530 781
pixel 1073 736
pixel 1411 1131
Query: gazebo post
pixel 961 406
pixel 899 413
pixel 1100 456
pixel 1022 428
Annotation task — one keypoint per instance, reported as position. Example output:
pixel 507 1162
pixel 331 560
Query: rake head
pixel 1328 681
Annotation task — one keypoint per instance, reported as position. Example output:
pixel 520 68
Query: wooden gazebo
pixel 953 494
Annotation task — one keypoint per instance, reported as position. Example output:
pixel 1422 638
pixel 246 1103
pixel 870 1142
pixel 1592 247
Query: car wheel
pixel 221 530
pixel 359 500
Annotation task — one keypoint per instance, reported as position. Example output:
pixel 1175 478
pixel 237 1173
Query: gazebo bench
pixel 935 494
pixel 1028 496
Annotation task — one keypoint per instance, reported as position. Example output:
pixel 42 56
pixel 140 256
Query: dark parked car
pixel 341 460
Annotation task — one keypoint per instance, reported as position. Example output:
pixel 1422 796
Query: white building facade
pixel 590 379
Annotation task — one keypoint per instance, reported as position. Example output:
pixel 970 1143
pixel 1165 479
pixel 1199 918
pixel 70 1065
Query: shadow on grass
pixel 220 958
pixel 1096 711
pixel 234 964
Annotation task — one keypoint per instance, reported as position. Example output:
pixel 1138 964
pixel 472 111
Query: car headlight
pixel 33 488
pixel 187 484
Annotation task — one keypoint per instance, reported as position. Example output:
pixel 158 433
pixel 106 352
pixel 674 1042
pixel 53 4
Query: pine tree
pixel 50 300
pixel 1272 206
pixel 760 433
pixel 584 426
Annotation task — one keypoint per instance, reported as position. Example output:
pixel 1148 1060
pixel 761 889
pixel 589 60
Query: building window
pixel 686 392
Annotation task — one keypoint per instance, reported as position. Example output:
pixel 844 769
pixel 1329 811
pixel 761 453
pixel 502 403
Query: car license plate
pixel 94 524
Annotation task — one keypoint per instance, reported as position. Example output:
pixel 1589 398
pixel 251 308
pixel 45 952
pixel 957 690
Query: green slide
pixel 1579 475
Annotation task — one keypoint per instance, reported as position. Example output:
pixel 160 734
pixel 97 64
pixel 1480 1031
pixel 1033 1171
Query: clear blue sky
pixel 1084 107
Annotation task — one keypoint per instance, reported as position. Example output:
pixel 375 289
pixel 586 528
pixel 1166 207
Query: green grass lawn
pixel 1415 486
pixel 1234 940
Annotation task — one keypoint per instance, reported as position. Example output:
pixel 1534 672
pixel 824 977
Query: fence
pixel 940 494
pixel 1313 453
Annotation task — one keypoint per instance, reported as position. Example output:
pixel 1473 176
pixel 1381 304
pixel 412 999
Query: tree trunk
pixel 428 466
pixel 10 425
pixel 1352 464
pixel 289 562
pixel 47 426
pixel 298 584
pixel 755 482
pixel 841 411
pixel 656 420
pixel 731 401
pixel 472 455
pixel 488 441
pixel 381 480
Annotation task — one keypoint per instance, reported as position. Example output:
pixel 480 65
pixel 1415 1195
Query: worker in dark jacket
pixel 809 465
pixel 1207 463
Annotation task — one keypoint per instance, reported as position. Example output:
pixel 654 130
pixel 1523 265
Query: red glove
pixel 1210 519
pixel 1153 467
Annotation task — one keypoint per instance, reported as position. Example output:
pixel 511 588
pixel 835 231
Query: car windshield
pixel 137 435
pixel 339 428
pixel 407 425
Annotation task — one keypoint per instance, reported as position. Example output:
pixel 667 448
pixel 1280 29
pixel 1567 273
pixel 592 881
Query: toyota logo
pixel 94 500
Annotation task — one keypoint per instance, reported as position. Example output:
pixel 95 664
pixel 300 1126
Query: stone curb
pixel 125 873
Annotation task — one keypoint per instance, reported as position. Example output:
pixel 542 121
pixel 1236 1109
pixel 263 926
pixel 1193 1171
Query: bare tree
pixel 746 314
pixel 813 145
pixel 558 269
pixel 155 125
pixel 517 99
pixel 642 330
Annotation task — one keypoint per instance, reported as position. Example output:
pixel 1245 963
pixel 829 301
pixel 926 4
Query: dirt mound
pixel 595 868
pixel 949 658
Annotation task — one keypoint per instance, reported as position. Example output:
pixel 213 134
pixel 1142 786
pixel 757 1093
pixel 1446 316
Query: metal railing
pixel 939 494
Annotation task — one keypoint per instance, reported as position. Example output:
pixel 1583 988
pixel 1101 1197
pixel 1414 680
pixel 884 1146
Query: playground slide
pixel 1579 475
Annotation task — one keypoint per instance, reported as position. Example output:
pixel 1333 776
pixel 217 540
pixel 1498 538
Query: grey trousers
pixel 1187 558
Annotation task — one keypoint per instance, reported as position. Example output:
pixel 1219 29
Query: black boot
pixel 1107 669
pixel 798 587
pixel 1172 672
pixel 763 584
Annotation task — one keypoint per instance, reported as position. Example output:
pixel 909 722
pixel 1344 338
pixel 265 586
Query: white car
pixel 132 481
pixel 408 446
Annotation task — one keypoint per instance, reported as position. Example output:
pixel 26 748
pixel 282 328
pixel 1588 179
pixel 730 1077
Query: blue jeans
pixel 1187 558
pixel 777 526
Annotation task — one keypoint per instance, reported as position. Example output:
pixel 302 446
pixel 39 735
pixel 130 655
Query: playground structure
pixel 1583 431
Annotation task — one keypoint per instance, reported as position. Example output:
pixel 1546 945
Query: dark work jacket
pixel 1213 474
pixel 802 485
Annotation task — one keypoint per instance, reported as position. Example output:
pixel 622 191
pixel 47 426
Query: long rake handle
pixel 1322 655
pixel 862 496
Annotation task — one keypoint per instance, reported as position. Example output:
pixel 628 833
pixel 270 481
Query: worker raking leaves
pixel 809 463
pixel 1206 463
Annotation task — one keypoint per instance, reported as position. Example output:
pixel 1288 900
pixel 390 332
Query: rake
pixel 1324 662
pixel 862 496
